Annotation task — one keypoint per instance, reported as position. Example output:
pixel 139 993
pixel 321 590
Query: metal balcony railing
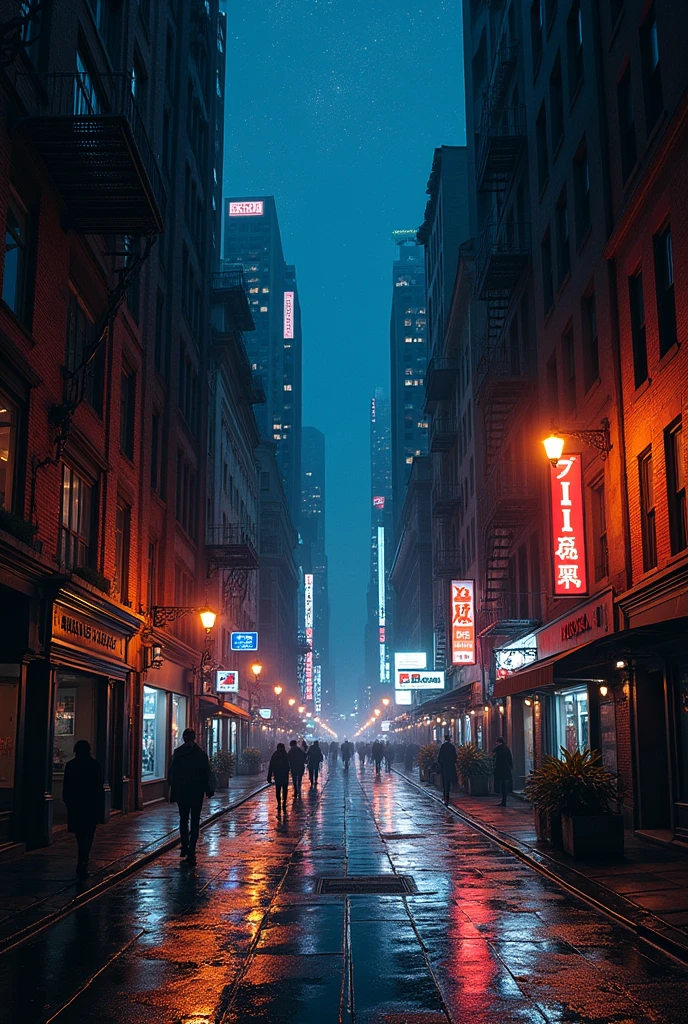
pixel 91 137
pixel 502 138
pixel 443 434
pixel 229 289
pixel 446 497
pixel 230 547
pixel 446 561
pixel 502 257
pixel 440 379
pixel 510 495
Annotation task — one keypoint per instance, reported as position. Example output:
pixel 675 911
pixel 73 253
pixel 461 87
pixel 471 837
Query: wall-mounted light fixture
pixel 599 439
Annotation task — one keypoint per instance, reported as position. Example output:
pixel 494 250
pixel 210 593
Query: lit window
pixel 265 291
pixel 287 387
pixel 408 341
pixel 253 291
pixel 409 460
pixel 263 309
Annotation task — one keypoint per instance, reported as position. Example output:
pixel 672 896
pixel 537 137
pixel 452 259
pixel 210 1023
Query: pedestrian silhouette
pixel 82 793
pixel 447 763
pixel 297 766
pixel 347 751
pixel 315 759
pixel 378 751
pixel 189 779
pixel 278 770
pixel 503 766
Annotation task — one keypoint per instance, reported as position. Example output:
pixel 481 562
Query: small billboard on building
pixel 408 659
pixel 568 534
pixel 226 681
pixel 244 642
pixel 419 681
pixel 463 622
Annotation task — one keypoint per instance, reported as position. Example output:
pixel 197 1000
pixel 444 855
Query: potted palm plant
pixel 427 761
pixel 578 795
pixel 475 768
pixel 223 763
pixel 251 758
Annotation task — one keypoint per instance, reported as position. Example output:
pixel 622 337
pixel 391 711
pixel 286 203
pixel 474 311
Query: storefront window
pixel 467 729
pixel 212 736
pixel 572 720
pixel 528 741
pixel 154 729
pixel 233 735
pixel 8 448
pixel 65 727
pixel 178 718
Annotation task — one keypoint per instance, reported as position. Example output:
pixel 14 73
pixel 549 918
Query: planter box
pixel 548 828
pixel 222 779
pixel 593 837
pixel 478 785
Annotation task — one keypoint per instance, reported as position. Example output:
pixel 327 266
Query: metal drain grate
pixel 367 885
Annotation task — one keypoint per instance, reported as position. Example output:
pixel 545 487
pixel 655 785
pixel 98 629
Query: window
pixel 647 510
pixel 664 285
pixel 624 99
pixel 615 10
pixel 547 279
pixel 152 575
pixel 81 338
pixel 536 32
pixel 581 187
pixel 574 42
pixel 75 519
pixel 569 368
pixel 676 485
pixel 131 248
pixel 563 246
pixel 652 76
pixel 186 511
pixel 86 98
pixel 127 413
pixel 107 14
pixel 552 387
pixel 16 273
pixel 31 29
pixel 556 104
pixel 153 758
pixel 122 548
pixel 591 355
pixel 637 306
pixel 541 140
pixel 8 450
pixel 599 526
pixel 155 453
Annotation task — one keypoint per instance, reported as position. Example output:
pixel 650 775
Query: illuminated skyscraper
pixel 409 360
pixel 253 241
pixel 314 558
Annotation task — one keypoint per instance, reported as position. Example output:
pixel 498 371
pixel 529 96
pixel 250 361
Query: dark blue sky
pixel 335 107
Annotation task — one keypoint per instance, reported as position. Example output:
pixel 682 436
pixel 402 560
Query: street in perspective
pixel 343 520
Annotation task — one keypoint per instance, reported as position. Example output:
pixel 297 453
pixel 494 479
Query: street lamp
pixel 277 689
pixel 385 701
pixel 376 712
pixel 301 709
pixel 599 439
pixel 292 702
pixel 257 668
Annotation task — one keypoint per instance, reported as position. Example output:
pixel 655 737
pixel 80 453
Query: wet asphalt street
pixel 247 937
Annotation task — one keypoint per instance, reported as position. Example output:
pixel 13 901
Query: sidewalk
pixel 41 884
pixel 648 888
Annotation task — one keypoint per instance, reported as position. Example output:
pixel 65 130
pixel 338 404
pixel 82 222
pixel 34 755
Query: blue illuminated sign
pixel 244 641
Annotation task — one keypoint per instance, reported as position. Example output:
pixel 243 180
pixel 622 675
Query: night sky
pixel 335 107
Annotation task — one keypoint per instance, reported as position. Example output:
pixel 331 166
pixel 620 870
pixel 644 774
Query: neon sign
pixel 288 315
pixel 568 533
pixel 252 208
pixel 463 622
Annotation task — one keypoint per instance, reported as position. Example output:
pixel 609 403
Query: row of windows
pixel 674 465
pixel 666 304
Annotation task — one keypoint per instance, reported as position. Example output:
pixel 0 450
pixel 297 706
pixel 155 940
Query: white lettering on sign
pixel 568 535
pixel 252 208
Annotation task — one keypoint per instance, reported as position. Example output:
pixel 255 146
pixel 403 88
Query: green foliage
pixel 250 755
pixel 472 762
pixel 20 528
pixel 427 756
pixel 223 761
pixel 92 576
pixel 578 784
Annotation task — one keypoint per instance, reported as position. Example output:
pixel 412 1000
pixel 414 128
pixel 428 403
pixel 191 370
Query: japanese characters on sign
pixel 317 689
pixel 308 590
pixel 254 208
pixel 568 534
pixel 244 642
pixel 288 315
pixel 463 622
pixel 227 681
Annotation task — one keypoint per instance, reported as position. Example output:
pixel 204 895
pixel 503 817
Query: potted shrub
pixel 251 758
pixel 222 763
pixel 427 761
pixel 578 795
pixel 475 769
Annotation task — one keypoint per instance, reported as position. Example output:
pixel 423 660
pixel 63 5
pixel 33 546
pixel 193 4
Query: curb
pixel 31 930
pixel 645 925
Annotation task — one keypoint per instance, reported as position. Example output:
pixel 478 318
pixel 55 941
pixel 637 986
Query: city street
pixel 247 936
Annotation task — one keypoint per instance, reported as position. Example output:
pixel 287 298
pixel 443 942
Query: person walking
pixel 389 755
pixel 189 778
pixel 503 769
pixel 297 766
pixel 378 752
pixel 315 759
pixel 361 754
pixel 447 763
pixel 347 751
pixel 82 793
pixel 279 771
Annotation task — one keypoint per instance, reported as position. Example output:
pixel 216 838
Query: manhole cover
pixel 365 885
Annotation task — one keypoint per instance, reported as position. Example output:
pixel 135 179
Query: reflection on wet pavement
pixel 246 937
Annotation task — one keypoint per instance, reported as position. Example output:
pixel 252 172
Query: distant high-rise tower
pixel 315 563
pixel 409 360
pixel 253 240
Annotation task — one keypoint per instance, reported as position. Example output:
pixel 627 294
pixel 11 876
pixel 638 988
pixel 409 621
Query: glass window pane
pixel 8 444
pixel 154 733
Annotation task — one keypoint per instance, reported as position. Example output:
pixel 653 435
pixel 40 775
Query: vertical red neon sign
pixel 568 532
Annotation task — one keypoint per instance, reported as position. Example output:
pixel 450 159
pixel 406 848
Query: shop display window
pixel 179 705
pixel 572 720
pixel 8 450
pixel 65 727
pixel 528 741
pixel 154 733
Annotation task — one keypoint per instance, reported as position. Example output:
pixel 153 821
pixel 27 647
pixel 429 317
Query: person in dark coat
pixel 447 763
pixel 378 752
pixel 278 770
pixel 361 754
pixel 315 759
pixel 503 768
pixel 82 793
pixel 389 755
pixel 297 766
pixel 347 751
pixel 189 779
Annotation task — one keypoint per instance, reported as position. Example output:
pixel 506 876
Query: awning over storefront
pixel 532 678
pixel 210 706
pixel 443 702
